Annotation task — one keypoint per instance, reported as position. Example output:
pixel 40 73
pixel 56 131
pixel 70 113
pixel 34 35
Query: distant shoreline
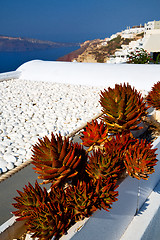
pixel 18 44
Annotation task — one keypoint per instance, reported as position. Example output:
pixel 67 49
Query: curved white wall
pixel 141 76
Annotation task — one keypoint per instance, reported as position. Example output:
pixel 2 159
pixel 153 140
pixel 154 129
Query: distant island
pixel 17 44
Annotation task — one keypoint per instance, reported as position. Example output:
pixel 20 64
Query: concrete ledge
pixel 139 227
pixel 11 229
pixel 149 202
pixel 9 75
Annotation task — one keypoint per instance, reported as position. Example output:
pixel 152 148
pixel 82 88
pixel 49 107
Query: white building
pixel 152 38
pixel 131 32
pixel 121 56
pixel 115 35
pixel 150 41
pixel 152 25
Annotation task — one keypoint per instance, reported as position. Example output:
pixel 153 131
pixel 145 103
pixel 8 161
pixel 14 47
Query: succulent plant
pixel 50 220
pixel 46 214
pixel 104 165
pixel 136 156
pixel 86 198
pixel 153 97
pixel 110 160
pixel 58 160
pixel 29 200
pixel 118 144
pixel 81 199
pixel 94 134
pixel 107 194
pixel 123 108
pixel 140 159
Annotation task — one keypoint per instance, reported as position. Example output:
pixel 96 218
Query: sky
pixel 73 20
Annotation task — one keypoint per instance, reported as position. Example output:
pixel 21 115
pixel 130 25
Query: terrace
pixel 83 81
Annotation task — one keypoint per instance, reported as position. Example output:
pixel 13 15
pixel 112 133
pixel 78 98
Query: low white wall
pixel 149 203
pixel 144 224
pixel 9 75
pixel 141 76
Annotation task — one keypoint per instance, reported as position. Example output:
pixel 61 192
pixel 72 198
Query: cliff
pixel 8 44
pixel 98 50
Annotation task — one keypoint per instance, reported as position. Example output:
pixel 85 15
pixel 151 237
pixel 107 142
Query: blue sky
pixel 73 20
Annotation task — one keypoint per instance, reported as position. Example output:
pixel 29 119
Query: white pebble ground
pixel 30 110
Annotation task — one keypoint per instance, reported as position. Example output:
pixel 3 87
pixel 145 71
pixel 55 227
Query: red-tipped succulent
pixel 110 160
pixel 53 218
pixel 86 198
pixel 107 194
pixel 118 144
pixel 153 97
pixel 140 159
pixel 29 200
pixel 136 156
pixel 46 214
pixel 123 108
pixel 82 199
pixel 104 165
pixel 94 134
pixel 58 160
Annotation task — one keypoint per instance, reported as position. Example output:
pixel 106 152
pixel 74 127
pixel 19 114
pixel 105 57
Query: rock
pixel 29 155
pixel 10 166
pixel 18 163
pixel 2 148
pixel 21 151
pixel 28 146
pixel 2 163
pixel 3 169
pixel 9 158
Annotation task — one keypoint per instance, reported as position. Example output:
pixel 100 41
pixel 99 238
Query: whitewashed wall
pixel 141 76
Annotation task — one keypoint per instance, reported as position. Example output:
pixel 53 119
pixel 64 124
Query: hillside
pixel 99 50
pixel 8 44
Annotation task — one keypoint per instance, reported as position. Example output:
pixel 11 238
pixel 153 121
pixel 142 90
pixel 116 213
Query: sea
pixel 10 61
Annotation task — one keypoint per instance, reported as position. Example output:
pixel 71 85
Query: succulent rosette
pixel 46 214
pixel 107 194
pixel 140 159
pixel 94 134
pixel 123 108
pixel 82 199
pixel 104 165
pixel 137 157
pixel 153 97
pixel 109 162
pixel 86 198
pixel 58 160
pixel 29 200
